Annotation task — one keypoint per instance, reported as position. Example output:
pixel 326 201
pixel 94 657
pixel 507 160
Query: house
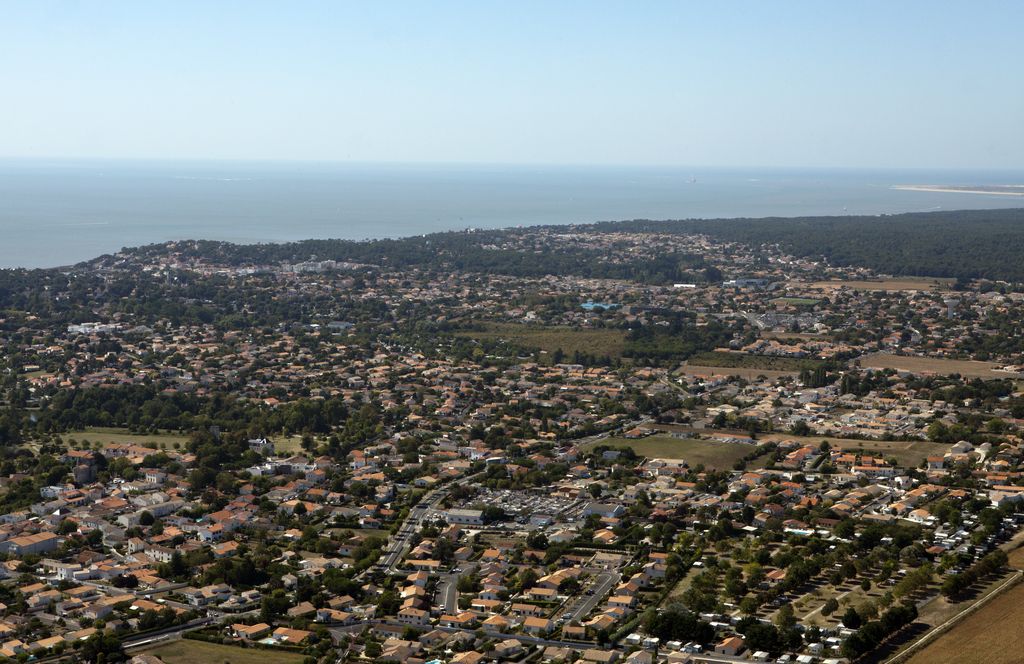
pixel 731 646
pixel 413 616
pixel 30 544
pixel 249 632
pixel 536 626
pixel 291 636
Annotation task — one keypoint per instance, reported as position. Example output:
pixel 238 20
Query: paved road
pixel 601 586
pixel 399 545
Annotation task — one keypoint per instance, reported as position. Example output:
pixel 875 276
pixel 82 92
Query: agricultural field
pixel 596 341
pixel 990 635
pixel 187 651
pixel 932 365
pixel 712 453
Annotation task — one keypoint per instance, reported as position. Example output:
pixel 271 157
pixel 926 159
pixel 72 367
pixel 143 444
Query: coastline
pixel 946 189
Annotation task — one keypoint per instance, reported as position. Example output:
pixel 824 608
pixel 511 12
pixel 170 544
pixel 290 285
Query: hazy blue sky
pixel 892 83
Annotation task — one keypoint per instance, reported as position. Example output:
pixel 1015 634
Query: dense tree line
pixel 872 633
pixel 963 244
pixel 466 251
pixel 957 584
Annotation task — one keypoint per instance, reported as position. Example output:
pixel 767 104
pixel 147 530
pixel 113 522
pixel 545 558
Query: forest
pixel 962 244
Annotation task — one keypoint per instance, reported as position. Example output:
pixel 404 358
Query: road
pixel 585 603
pixel 447 594
pixel 399 544
pixel 533 640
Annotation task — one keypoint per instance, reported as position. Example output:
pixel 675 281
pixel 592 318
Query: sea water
pixel 61 212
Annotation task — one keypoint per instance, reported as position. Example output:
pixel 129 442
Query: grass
pixel 908 453
pixel 711 453
pixel 109 435
pixel 287 445
pixel 895 284
pixel 693 369
pixel 759 362
pixel 935 365
pixel 796 301
pixel 596 341
pixel 187 651
pixel 990 635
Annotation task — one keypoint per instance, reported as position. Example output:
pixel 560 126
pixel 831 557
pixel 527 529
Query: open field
pixel 742 372
pixel 796 301
pixel 187 651
pixel 933 365
pixel 711 453
pixel 895 284
pixel 792 336
pixel 597 341
pixel 757 362
pixel 990 635
pixel 1017 558
pixel 908 453
pixel 287 445
pixel 110 435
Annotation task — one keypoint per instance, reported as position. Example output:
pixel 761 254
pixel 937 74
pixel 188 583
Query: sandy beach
pixel 994 190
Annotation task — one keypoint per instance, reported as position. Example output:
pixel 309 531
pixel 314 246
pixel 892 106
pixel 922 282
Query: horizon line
pixel 479 163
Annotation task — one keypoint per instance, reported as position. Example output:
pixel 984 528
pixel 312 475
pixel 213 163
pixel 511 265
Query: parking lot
pixel 522 506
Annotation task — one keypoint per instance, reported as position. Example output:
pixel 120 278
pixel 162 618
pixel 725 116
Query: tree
pixel 785 619
pixel 851 618
pixel 800 428
pixel 102 647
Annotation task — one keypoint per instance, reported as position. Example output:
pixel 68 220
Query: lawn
pixel 187 651
pixel 596 341
pixel 935 365
pixel 711 453
pixel 990 635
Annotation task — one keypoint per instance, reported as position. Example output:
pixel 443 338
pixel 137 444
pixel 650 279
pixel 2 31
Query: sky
pixel 863 84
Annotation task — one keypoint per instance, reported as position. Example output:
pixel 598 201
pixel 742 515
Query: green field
pixel 711 453
pixel 109 435
pixel 596 341
pixel 908 453
pixel 796 301
pixel 188 651
pixel 747 361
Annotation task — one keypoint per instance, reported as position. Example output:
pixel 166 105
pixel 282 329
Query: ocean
pixel 62 212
